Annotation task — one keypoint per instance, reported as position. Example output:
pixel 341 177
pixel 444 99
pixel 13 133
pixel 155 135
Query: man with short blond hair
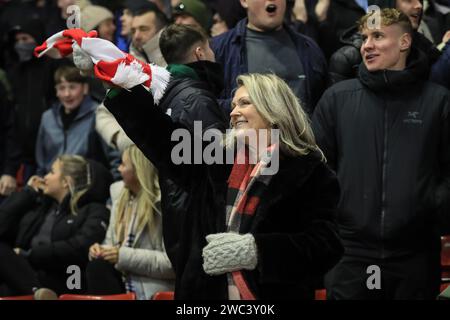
pixel 386 134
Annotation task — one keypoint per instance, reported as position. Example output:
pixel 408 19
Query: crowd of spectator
pixel 363 114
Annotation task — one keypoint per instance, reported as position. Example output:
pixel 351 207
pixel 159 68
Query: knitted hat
pixel 196 9
pixel 83 3
pixel 92 16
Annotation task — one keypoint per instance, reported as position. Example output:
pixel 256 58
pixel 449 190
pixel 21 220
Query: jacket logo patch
pixel 70 221
pixel 413 118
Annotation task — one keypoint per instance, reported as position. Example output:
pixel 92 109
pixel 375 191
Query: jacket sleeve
pixel 110 239
pixel 309 254
pixel 145 262
pixel 12 149
pixel 227 54
pixel 440 71
pixel 112 157
pixel 74 250
pixel 343 64
pixel 115 191
pixel 443 189
pixel 99 150
pixel 40 150
pixel 323 124
pixel 151 130
pixel 107 126
pixel 12 210
pixel 320 76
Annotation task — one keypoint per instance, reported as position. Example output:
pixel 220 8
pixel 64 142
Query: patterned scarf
pixel 246 185
pixel 126 235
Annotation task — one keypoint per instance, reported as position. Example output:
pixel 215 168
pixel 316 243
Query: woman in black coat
pixel 43 233
pixel 261 228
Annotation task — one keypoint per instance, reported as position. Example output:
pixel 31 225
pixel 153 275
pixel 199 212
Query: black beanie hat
pixel 33 27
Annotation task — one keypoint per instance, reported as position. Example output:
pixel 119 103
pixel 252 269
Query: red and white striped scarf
pixel 110 63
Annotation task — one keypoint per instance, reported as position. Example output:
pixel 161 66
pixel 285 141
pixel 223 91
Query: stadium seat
pixel 321 294
pixel 163 295
pixel 29 297
pixel 445 259
pixel 124 296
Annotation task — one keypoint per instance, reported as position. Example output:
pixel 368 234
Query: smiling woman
pixel 256 106
pixel 241 237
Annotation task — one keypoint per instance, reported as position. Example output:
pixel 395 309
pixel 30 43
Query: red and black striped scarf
pixel 246 185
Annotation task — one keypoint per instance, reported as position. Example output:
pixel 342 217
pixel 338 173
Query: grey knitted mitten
pixel 81 59
pixel 227 252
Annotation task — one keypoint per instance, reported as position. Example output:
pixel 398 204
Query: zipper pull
pixel 385 77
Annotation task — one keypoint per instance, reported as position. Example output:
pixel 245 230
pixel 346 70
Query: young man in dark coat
pixel 191 96
pixel 345 61
pixel 387 134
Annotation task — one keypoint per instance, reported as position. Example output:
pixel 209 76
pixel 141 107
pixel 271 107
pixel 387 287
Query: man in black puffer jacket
pixel 344 62
pixel 387 134
pixel 191 96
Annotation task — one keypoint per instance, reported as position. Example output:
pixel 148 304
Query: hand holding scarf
pixel 109 63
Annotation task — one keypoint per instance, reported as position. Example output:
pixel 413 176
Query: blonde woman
pixel 50 226
pixel 245 234
pixel 132 257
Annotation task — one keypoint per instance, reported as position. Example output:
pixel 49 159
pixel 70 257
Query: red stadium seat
pixel 124 296
pixel 445 259
pixel 321 295
pixel 29 297
pixel 163 295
